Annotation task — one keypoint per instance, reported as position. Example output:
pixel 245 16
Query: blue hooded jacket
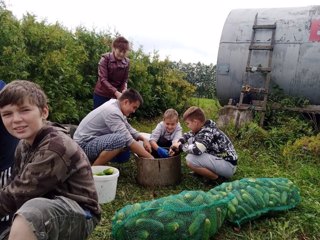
pixel 8 143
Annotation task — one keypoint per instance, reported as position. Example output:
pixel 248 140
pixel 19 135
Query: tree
pixel 65 64
pixel 200 75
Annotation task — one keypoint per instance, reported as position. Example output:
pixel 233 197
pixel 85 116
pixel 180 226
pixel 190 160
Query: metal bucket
pixel 158 171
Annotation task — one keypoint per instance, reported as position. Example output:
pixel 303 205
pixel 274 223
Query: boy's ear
pixel 45 113
pixel 123 104
pixel 126 101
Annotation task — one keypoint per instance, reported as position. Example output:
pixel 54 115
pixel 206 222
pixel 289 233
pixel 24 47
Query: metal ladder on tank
pixel 262 92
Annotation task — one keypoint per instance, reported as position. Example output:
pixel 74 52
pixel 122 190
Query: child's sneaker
pixel 215 182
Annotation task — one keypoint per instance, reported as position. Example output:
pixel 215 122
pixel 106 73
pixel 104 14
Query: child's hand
pixel 162 152
pixel 173 150
pixel 147 146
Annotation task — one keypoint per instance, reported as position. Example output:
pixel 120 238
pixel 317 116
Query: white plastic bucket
pixel 106 185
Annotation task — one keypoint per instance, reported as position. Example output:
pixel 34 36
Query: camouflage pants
pixel 59 218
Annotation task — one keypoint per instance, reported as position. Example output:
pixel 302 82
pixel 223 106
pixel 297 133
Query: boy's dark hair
pixel 17 91
pixel 171 114
pixel 132 95
pixel 194 113
pixel 121 43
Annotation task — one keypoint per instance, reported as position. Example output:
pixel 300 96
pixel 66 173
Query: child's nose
pixel 16 117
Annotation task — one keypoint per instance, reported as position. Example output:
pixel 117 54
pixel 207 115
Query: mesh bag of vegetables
pixel 187 215
pixel 253 197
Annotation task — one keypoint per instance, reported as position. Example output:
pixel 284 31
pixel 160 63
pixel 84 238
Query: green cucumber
pixel 241 213
pixel 132 208
pixel 213 217
pixel 275 199
pixel 266 197
pixel 248 198
pixel 271 203
pixel 206 229
pixel 198 201
pixel 258 196
pixel 182 225
pixel 236 184
pixel 147 223
pixel 120 215
pixel 284 197
pixel 143 234
pixel 166 215
pixel 234 201
pixel 214 197
pixel 247 207
pixel 130 223
pixel 280 185
pixel 155 204
pixel 231 208
pixel 172 227
pixel 219 217
pixel 283 187
pixel 213 191
pixel 195 226
pixel 223 194
pixel 238 196
pixel 176 203
pixel 226 186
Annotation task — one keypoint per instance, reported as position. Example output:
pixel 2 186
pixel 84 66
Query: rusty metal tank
pixel 296 55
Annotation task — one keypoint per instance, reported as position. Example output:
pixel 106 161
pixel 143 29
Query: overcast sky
pixel 189 30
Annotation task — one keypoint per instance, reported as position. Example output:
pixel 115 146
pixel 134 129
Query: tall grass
pixel 256 159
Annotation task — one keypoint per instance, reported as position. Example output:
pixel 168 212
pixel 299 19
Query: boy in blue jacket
pixel 8 145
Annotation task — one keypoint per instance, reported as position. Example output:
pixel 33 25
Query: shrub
pixel 303 148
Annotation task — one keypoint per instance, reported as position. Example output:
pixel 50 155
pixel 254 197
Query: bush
pixel 304 148
pixel 65 65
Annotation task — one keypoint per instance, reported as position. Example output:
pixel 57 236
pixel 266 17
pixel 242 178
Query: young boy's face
pixel 23 121
pixel 170 124
pixel 193 125
pixel 128 107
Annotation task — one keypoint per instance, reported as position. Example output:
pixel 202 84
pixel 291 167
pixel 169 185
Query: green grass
pixel 302 222
pixel 209 106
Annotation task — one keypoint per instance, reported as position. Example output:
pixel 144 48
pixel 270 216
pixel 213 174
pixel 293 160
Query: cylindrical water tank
pixel 296 55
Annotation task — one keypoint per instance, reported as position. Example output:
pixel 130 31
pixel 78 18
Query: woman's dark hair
pixel 121 43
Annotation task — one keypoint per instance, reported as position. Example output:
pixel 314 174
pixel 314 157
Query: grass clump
pixel 306 148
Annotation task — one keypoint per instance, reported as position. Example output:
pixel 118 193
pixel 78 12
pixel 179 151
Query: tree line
pixel 64 63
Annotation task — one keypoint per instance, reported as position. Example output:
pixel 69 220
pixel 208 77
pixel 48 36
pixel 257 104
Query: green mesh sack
pixel 187 215
pixel 254 197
